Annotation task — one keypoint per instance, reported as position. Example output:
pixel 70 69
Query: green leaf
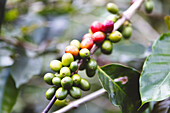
pixel 8 91
pixel 125 95
pixel 24 68
pixel 155 76
pixel 167 21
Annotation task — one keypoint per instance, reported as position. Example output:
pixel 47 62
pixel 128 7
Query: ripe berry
pixel 84 84
pixel 112 8
pixel 76 79
pixel 67 58
pixel 84 53
pixel 75 92
pixel 98 37
pixel 107 47
pixel 115 36
pixel 50 93
pixel 48 78
pixel 127 32
pixel 55 65
pixel 112 17
pixel 66 82
pixel 61 93
pixel 87 35
pixel 87 43
pixel 95 26
pixel 75 43
pixel 65 71
pixel 74 66
pixel 56 81
pixel 60 103
pixel 107 26
pixel 149 6
pixel 73 50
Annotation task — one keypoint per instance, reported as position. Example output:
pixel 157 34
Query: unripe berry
pixel 84 53
pixel 87 35
pixel 107 47
pixel 75 43
pixel 67 58
pixel 92 64
pixel 50 93
pixel 48 78
pixel 112 17
pixel 149 6
pixel 87 43
pixel 65 71
pixel 60 103
pixel 112 8
pixel 66 82
pixel 107 26
pixel 74 66
pixel 73 50
pixel 75 92
pixel 76 79
pixel 127 32
pixel 115 36
pixel 61 93
pixel 95 26
pixel 56 81
pixel 98 37
pixel 55 65
pixel 90 73
pixel 84 84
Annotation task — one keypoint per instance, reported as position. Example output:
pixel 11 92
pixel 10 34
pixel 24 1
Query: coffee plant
pixel 71 76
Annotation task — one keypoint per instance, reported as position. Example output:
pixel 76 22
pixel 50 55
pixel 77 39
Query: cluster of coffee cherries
pixel 77 56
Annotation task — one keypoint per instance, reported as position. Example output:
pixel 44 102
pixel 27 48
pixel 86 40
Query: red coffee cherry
pixel 72 49
pixel 96 26
pixel 87 35
pixel 98 37
pixel 107 26
pixel 87 43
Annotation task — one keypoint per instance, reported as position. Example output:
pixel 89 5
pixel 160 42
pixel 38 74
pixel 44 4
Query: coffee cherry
pixel 73 50
pixel 55 65
pixel 61 93
pixel 87 35
pixel 50 93
pixel 149 6
pixel 67 58
pixel 98 37
pixel 74 66
pixel 60 103
pixel 84 53
pixel 66 82
pixel 87 43
pixel 84 84
pixel 95 26
pixel 65 71
pixel 112 17
pixel 107 47
pixel 75 43
pixel 127 32
pixel 48 78
pixel 56 81
pixel 115 36
pixel 107 26
pixel 76 79
pixel 75 92
pixel 90 73
pixel 92 64
pixel 112 8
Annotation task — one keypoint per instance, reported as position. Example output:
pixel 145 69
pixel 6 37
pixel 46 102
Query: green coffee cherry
pixel 75 92
pixel 61 93
pixel 107 47
pixel 74 66
pixel 90 73
pixel 48 78
pixel 115 36
pixel 55 65
pixel 67 58
pixel 84 84
pixel 66 82
pixel 65 71
pixel 56 81
pixel 76 79
pixel 60 103
pixel 112 17
pixel 149 6
pixel 127 32
pixel 50 93
pixel 84 53
pixel 92 64
pixel 112 8
pixel 75 43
